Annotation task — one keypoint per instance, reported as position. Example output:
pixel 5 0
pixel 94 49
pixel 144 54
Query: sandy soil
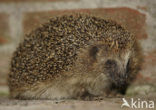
pixel 107 104
pixel 104 104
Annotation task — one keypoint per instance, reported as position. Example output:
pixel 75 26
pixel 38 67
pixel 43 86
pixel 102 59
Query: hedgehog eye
pixel 93 51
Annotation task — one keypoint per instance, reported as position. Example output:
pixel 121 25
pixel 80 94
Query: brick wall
pixel 18 17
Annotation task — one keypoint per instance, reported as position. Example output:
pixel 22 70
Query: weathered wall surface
pixel 19 17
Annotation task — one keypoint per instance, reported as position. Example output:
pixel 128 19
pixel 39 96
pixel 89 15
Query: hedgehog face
pixel 115 65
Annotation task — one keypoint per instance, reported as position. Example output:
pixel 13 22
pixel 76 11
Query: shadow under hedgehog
pixel 74 56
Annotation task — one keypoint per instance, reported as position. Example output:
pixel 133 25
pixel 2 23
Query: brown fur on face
pixel 119 67
pixel 73 56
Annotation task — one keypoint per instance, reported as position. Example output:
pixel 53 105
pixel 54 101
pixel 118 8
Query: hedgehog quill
pixel 74 56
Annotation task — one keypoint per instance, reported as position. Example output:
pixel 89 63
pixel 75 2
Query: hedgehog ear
pixel 93 51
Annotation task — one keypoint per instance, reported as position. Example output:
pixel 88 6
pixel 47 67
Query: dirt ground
pixel 100 104
pixel 109 104
pixel 105 104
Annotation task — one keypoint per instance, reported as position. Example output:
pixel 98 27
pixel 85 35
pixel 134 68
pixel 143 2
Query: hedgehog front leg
pixel 98 86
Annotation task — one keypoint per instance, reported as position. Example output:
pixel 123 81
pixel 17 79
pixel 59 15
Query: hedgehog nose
pixel 111 63
pixel 116 74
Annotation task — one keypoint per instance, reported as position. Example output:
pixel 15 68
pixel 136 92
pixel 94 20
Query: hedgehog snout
pixel 115 72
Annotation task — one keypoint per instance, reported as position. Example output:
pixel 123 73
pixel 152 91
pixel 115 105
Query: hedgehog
pixel 74 56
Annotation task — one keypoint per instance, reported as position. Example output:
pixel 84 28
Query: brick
pixel 2 40
pixel 148 72
pixel 131 19
pixel 144 8
pixel 4 28
pixel 34 20
pixel 4 68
